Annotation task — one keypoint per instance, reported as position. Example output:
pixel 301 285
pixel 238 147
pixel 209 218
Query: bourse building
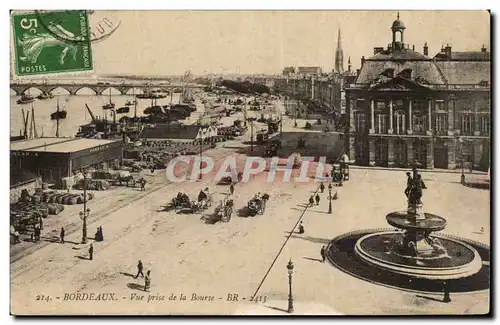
pixel 406 107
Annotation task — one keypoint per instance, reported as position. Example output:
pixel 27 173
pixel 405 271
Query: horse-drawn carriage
pixel 257 205
pixel 224 210
pixel 340 172
pixel 182 202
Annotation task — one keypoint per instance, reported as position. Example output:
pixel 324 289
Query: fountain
pixel 414 250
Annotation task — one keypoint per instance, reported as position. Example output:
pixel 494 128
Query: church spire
pixel 339 55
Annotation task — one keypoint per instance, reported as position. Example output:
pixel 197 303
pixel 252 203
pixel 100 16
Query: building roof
pixel 33 143
pixel 465 56
pixel 427 70
pixel 58 145
pixel 465 72
pixel 403 54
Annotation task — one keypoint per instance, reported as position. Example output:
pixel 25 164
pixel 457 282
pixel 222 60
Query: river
pixel 75 106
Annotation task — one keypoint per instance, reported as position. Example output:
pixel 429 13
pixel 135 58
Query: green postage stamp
pixel 48 42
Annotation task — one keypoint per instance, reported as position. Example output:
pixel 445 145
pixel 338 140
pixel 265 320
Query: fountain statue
pixel 413 249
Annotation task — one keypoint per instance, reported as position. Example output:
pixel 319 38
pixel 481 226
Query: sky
pixel 249 42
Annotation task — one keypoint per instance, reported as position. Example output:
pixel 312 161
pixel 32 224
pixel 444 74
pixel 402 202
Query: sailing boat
pixel 45 95
pixel 109 105
pixel 123 110
pixel 131 102
pixel 58 115
pixel 25 99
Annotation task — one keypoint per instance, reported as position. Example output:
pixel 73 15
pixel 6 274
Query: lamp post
pixel 462 176
pixel 201 156
pixel 289 266
pixel 86 211
pixel 330 198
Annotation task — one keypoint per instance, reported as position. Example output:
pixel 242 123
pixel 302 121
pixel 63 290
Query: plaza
pixel 190 258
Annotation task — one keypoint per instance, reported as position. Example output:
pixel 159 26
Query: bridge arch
pixel 86 89
pixel 114 90
pixel 56 89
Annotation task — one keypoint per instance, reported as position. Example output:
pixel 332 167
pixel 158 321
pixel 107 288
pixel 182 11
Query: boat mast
pixel 135 104
pixel 35 134
pixel 57 119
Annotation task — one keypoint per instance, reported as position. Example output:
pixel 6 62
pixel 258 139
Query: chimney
pixel 448 52
pixel 362 60
pixel 426 49
pixel 413 47
pixel 483 49
pixel 349 64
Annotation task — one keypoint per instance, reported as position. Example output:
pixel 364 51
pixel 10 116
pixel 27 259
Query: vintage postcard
pixel 250 162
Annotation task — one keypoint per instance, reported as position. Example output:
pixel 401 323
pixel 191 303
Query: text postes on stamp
pixel 60 43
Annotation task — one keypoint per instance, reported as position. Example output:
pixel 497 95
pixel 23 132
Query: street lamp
pixel 251 119
pixel 86 211
pixel 462 176
pixel 289 266
pixel 330 198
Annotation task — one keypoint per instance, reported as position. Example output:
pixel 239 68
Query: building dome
pixel 398 24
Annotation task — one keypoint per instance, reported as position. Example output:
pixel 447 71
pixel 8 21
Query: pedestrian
pixel 301 228
pixel 311 201
pixel 323 254
pixel 147 281
pixel 143 184
pixel 91 252
pixel 96 236
pixel 317 199
pixel 152 170
pixel 322 187
pixel 140 267
pixel 231 188
pixel 62 235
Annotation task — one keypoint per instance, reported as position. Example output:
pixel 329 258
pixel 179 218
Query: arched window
pixel 399 122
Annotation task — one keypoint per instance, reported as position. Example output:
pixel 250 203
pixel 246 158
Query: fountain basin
pixel 381 250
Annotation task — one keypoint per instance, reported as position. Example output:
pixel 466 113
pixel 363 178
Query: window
pixel 399 122
pixel 380 123
pixel 419 105
pixel 467 123
pixel 484 124
pixel 380 105
pixel 360 122
pixel 419 123
pixel 440 105
pixel 441 123
pixel 463 105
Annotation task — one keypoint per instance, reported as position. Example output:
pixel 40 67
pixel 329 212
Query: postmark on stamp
pixel 52 42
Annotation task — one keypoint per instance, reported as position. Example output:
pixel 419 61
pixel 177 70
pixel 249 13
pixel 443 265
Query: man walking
pixel 317 199
pixel 323 254
pixel 62 235
pixel 322 187
pixel 140 267
pixel 91 252
pixel 311 201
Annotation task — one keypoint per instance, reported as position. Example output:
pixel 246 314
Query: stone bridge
pixel 98 89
